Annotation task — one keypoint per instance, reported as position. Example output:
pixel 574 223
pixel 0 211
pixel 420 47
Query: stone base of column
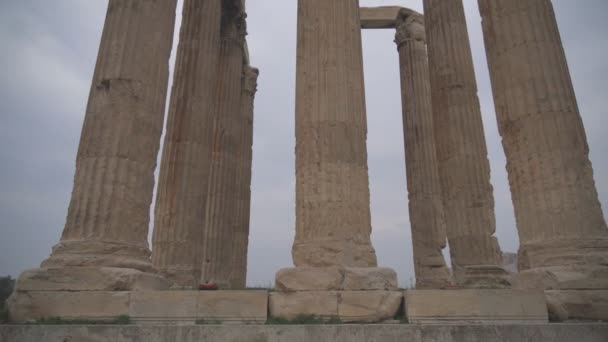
pixel 80 253
pixel 89 279
pixel 563 253
pixel 577 305
pixel 483 277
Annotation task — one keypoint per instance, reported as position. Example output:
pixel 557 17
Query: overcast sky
pixel 46 64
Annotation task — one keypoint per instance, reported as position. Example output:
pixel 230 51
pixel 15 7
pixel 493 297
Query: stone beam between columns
pixel 383 17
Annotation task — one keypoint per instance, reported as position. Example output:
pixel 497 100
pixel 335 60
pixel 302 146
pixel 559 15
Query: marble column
pixel 108 216
pixel 427 216
pixel 561 226
pixel 464 169
pixel 243 178
pixel 182 190
pixel 333 223
pixel 217 240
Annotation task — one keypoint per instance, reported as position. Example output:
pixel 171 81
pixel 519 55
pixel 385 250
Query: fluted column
pixel 243 178
pixel 108 215
pixel 559 216
pixel 464 169
pixel 427 216
pixel 183 181
pixel 217 240
pixel 333 224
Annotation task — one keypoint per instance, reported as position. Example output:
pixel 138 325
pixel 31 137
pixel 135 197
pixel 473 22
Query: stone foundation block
pixel 158 306
pixel 89 305
pixel 476 306
pixel 233 306
pixel 336 279
pixel 348 306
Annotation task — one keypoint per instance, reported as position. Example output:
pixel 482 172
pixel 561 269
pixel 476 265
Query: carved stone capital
pixel 410 27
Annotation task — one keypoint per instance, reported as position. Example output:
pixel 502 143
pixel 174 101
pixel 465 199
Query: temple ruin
pixel 103 267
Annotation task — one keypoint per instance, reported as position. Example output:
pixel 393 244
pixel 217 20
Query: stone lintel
pixel 476 306
pixel 383 17
pixel 149 307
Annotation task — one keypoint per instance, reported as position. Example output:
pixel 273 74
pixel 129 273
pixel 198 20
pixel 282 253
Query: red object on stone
pixel 208 287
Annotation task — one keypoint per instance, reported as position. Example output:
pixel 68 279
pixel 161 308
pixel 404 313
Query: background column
pixel 244 163
pixel 182 190
pixel 464 169
pixel 216 244
pixel 425 202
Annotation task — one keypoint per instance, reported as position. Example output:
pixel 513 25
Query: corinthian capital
pixel 410 27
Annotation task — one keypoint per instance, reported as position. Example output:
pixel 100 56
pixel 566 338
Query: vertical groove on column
pixel 333 223
pixel 217 241
pixel 108 216
pixel 425 202
pixel 550 174
pixel 182 190
pixel 461 149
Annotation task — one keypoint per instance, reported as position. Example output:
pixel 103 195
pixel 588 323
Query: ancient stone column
pixel 243 178
pixel 184 173
pixel 561 226
pixel 333 224
pixel 104 243
pixel 427 216
pixel 464 169
pixel 217 239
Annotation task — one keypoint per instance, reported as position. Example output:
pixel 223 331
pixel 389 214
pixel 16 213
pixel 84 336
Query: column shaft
pixel 184 173
pixel 243 179
pixel 217 240
pixel 333 223
pixel 108 215
pixel 427 217
pixel 559 217
pixel 464 169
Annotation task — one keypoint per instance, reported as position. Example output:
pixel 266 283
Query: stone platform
pixel 306 333
pixel 476 306
pixel 143 307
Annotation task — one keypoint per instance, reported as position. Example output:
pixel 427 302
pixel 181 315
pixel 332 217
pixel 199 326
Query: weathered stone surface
pixel 84 305
pixel 184 171
pixel 476 306
pixel 333 223
pixel 227 306
pixel 89 279
pixel 464 170
pixel 427 216
pixel 335 278
pixel 368 306
pixel 290 305
pixel 348 306
pixel 307 333
pixel 564 278
pixel 382 17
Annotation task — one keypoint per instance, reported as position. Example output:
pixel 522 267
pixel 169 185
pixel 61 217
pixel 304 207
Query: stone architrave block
pixel 232 306
pixel 476 306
